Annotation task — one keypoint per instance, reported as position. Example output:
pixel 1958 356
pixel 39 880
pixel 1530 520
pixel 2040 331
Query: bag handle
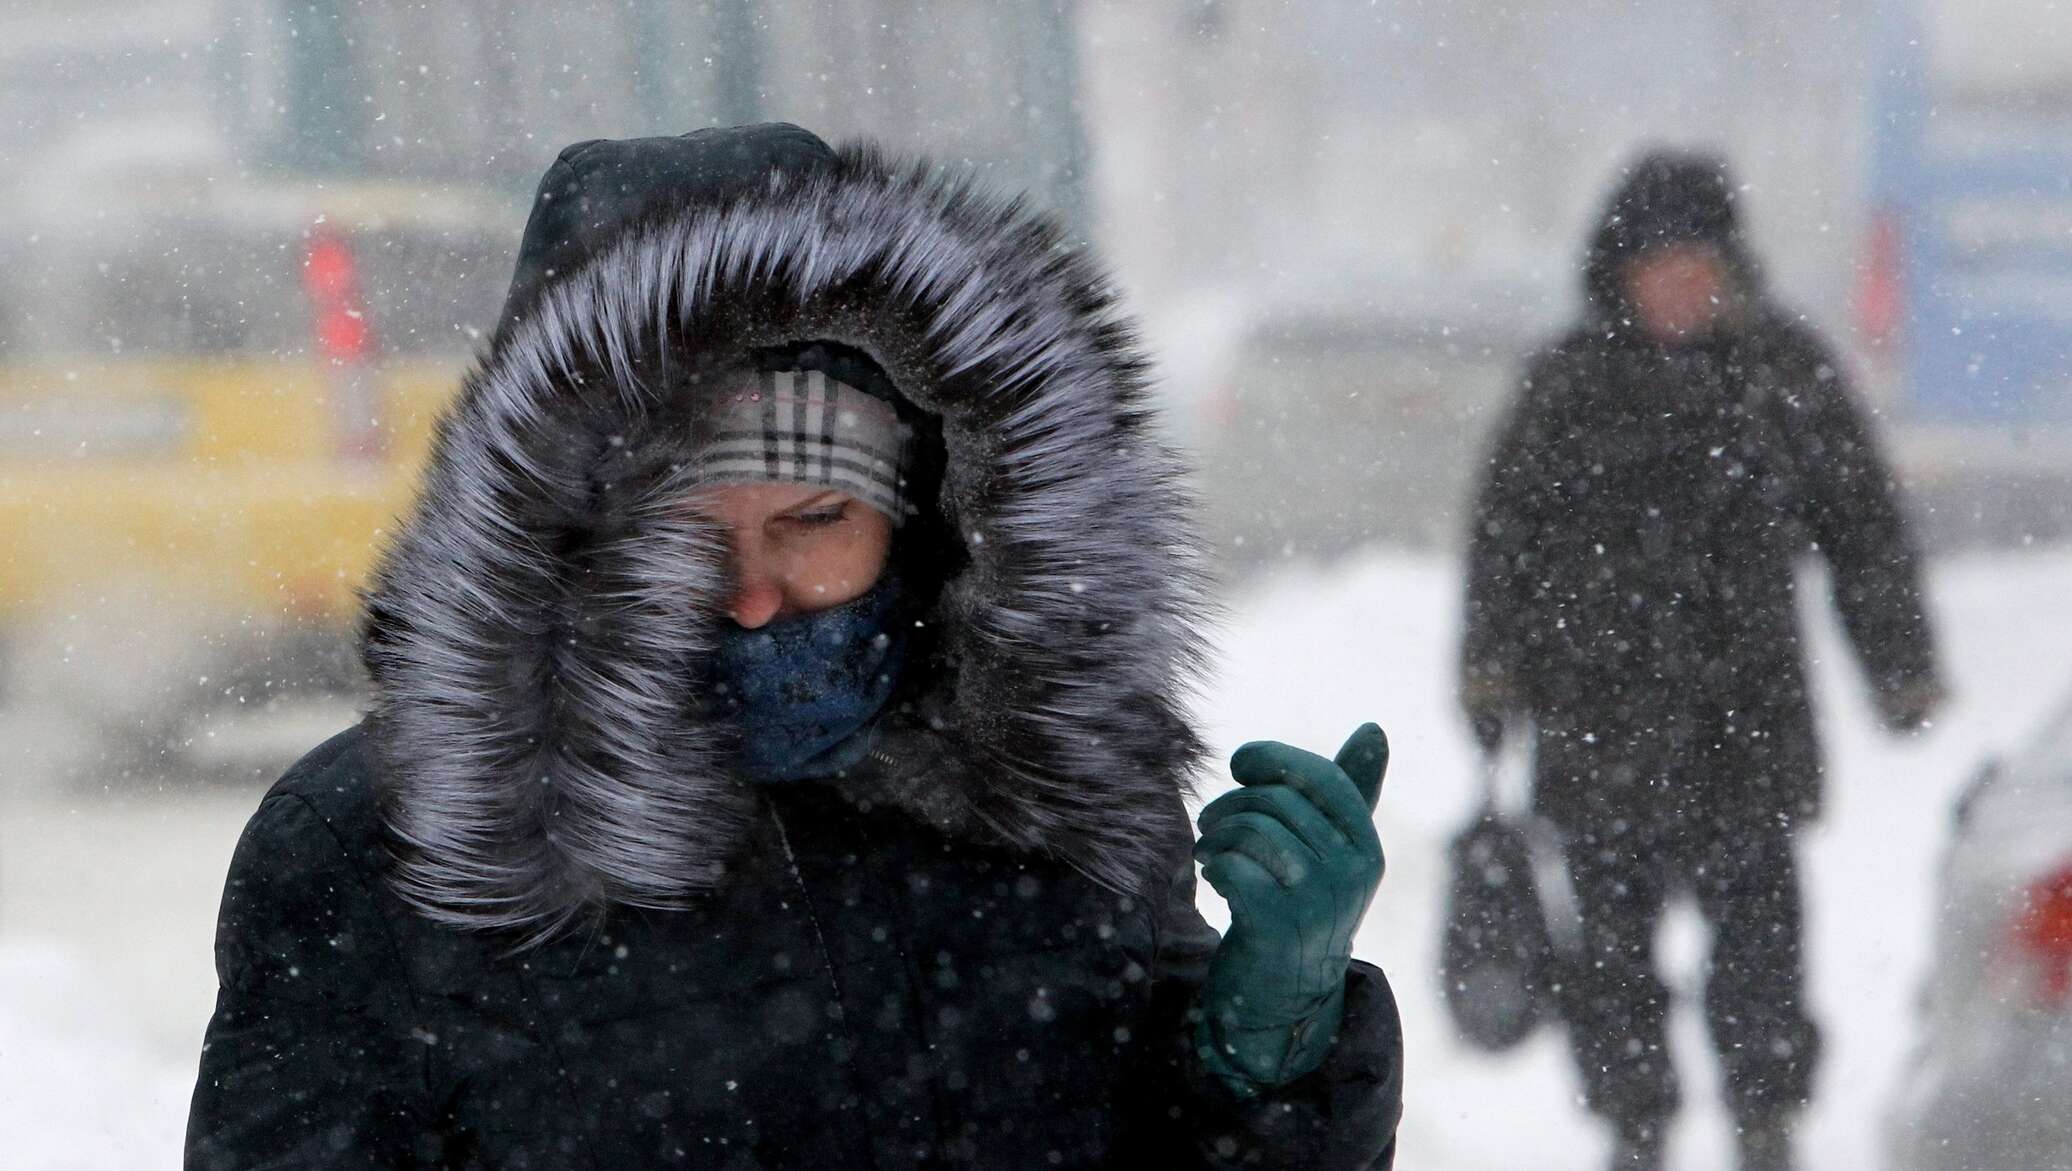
pixel 1513 752
pixel 1492 764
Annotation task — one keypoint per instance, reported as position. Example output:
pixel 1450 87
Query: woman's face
pixel 796 548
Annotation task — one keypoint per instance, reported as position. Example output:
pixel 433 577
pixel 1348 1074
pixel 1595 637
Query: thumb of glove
pixel 1365 759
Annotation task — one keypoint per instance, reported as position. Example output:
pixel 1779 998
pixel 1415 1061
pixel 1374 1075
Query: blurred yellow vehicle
pixel 209 413
pixel 215 482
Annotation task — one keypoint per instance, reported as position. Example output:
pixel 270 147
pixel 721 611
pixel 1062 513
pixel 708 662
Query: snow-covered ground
pixel 106 906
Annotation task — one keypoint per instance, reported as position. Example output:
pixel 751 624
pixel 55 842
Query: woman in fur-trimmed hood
pixel 777 755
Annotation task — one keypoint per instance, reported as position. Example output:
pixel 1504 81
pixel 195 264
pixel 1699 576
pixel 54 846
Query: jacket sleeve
pixel 1851 506
pixel 1341 1116
pixel 308 1061
pixel 1503 535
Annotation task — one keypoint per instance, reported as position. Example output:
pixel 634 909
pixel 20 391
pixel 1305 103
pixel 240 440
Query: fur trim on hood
pixel 536 630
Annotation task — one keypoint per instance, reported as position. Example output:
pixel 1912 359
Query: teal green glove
pixel 1295 854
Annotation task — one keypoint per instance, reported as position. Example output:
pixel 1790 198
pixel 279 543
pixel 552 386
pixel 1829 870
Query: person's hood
pixel 599 189
pixel 536 629
pixel 1664 197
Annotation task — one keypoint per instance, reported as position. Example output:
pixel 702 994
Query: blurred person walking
pixel 777 754
pixel 1631 599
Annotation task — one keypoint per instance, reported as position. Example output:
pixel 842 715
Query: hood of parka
pixel 1667 197
pixel 537 629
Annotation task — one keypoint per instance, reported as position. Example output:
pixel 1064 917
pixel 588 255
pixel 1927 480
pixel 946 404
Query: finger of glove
pixel 1268 762
pixel 1324 839
pixel 1242 882
pixel 1365 761
pixel 1264 840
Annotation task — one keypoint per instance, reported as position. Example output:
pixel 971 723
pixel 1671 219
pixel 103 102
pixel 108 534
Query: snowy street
pixel 733 471
pixel 106 905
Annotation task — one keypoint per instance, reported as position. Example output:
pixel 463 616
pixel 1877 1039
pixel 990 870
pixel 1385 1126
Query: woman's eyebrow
pixel 814 502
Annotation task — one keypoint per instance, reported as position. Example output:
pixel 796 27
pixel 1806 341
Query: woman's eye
pixel 821 516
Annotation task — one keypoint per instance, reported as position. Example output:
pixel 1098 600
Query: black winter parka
pixel 864 991
pixel 522 916
pixel 1633 549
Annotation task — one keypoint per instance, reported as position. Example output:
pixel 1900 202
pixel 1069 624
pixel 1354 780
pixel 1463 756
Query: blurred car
pixel 1989 1087
pixel 216 400
pixel 1339 427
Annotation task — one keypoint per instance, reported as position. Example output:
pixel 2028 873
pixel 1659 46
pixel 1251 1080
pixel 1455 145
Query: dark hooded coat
pixel 522 917
pixel 1632 550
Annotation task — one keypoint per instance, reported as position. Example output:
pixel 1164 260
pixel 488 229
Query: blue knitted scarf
pixel 802 691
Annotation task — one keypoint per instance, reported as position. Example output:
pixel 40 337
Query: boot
pixel 1765 1140
pixel 1638 1146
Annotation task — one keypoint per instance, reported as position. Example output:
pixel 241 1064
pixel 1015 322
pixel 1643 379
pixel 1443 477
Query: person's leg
pixel 1615 1005
pixel 1748 889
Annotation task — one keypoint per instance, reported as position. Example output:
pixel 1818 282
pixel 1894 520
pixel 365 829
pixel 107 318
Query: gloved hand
pixel 1908 706
pixel 1489 701
pixel 1295 854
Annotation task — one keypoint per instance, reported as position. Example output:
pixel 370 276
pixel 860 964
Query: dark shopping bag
pixel 1499 961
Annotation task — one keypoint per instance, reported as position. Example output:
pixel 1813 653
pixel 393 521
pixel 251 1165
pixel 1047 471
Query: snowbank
pixel 78 1090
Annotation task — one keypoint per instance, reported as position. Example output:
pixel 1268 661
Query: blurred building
pixel 481 93
pixel 1301 198
pixel 1261 138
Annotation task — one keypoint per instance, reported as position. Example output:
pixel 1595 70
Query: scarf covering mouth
pixel 802 692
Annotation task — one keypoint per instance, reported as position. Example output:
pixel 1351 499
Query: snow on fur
pixel 535 629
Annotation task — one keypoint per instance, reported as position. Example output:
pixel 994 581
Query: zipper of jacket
pixel 798 879
pixel 827 956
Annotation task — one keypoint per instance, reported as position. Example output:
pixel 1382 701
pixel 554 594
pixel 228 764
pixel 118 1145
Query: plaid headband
pixel 802 427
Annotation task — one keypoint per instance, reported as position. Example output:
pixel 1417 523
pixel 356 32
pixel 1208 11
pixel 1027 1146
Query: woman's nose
pixel 758 598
